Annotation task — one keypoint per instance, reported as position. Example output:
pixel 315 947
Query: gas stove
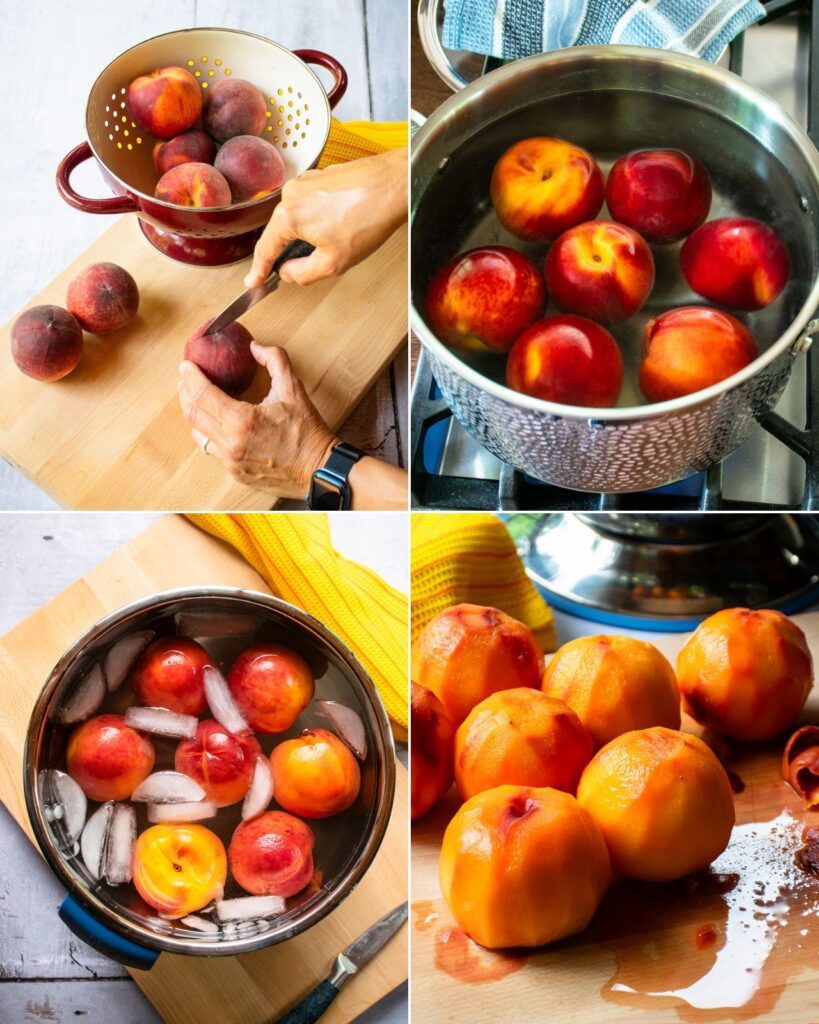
pixel 776 469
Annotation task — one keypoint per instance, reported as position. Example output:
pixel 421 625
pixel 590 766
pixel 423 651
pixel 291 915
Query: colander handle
pixel 97 935
pixel 69 163
pixel 324 60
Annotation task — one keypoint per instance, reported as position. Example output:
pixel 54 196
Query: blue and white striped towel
pixel 520 28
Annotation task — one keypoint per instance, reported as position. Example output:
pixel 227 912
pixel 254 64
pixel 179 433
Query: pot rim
pixel 207 209
pixel 452 108
pixel 131 929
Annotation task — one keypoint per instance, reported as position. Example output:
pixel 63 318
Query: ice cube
pixel 215 625
pixel 85 697
pixel 159 814
pixel 121 657
pixel 120 848
pixel 261 789
pixel 95 838
pixel 221 703
pixel 247 908
pixel 162 722
pixel 348 725
pixel 199 924
pixel 168 788
pixel 64 801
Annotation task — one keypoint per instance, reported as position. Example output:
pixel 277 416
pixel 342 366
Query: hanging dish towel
pixel 351 140
pixel 521 28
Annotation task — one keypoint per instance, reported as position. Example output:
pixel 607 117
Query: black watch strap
pixel 329 487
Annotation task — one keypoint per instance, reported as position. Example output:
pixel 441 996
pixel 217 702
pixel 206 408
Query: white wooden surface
pixel 53 51
pixel 46 975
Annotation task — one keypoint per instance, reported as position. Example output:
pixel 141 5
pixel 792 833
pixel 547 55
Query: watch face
pixel 325 496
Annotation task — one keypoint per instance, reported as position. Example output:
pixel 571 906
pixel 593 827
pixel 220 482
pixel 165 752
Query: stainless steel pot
pixel 612 99
pixel 114 919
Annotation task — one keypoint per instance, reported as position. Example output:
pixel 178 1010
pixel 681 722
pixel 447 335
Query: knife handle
pixel 295 250
pixel 313 1005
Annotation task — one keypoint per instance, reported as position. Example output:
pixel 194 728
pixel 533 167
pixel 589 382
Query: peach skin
pixel 272 855
pixel 614 684
pixel 469 652
pixel 522 867
pixel 542 186
pixel 272 686
pixel 193 184
pixel 520 737
pixel 431 746
pixel 194 146
pixel 107 758
pixel 165 102
pixel 103 297
pixel 252 167
pixel 178 869
pixel 46 343
pixel 745 674
pixel 315 775
pixel 234 107
pixel 600 269
pixel 169 675
pixel 220 762
pixel 662 801
pixel 225 357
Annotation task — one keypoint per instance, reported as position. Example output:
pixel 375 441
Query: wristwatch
pixel 329 489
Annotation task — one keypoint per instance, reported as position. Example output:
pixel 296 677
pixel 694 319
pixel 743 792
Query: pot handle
pixel 69 163
pixel 86 927
pixel 434 48
pixel 324 60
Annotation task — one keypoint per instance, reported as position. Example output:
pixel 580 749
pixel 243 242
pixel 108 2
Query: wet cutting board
pixel 731 947
pixel 258 987
pixel 112 434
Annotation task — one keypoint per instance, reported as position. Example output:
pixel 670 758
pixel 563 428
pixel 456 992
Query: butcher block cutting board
pixel 112 434
pixel 251 989
pixel 740 943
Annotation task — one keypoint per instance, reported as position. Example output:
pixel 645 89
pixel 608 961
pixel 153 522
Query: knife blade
pixel 297 249
pixel 348 963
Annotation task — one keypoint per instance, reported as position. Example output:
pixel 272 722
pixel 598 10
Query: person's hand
pixel 346 211
pixel 275 446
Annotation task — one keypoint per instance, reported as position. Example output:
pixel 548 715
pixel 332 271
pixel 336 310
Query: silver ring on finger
pixel 205 444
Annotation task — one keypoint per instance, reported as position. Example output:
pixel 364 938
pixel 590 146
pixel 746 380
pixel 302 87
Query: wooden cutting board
pixel 652 951
pixel 258 987
pixel 112 434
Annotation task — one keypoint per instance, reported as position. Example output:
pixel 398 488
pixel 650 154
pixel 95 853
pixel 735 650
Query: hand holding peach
pixel 224 357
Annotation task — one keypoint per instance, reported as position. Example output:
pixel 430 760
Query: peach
pixel 469 652
pixel 224 357
pixel 567 359
pixel 103 297
pixel 179 869
pixel 523 867
pixel 193 146
pixel 315 775
pixel 165 102
pixel 736 261
pixel 272 686
pixel 193 184
pixel 542 186
pixel 107 758
pixel 46 342
pixel 614 684
pixel 520 737
pixel 484 298
pixel 664 194
pixel 691 348
pixel 431 745
pixel 220 762
pixel 600 269
pixel 662 801
pixel 272 855
pixel 234 107
pixel 169 675
pixel 745 674
pixel 252 167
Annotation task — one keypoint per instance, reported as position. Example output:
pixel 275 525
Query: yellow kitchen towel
pixel 351 140
pixel 470 558
pixel 294 555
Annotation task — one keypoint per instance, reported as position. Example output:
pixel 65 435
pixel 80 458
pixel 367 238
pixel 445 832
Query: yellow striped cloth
pixel 294 555
pixel 351 140
pixel 470 557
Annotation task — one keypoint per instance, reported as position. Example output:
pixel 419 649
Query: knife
pixel 348 963
pixel 297 249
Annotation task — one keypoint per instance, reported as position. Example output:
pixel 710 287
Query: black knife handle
pixel 316 1003
pixel 295 250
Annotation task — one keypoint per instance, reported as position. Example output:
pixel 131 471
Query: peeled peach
pixel 614 684
pixel 224 357
pixel 165 102
pixel 103 297
pixel 272 854
pixel 542 186
pixel 520 737
pixel 193 184
pixel 179 869
pixel 431 746
pixel 315 775
pixel 745 674
pixel 107 758
pixel 234 107
pixel 600 269
pixel 272 686
pixel 522 867
pixel 170 675
pixel 46 343
pixel 252 167
pixel 220 762
pixel 468 652
pixel 662 801
pixel 193 146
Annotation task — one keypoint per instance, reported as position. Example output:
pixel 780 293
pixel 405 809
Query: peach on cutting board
pixel 542 186
pixel 220 762
pixel 103 297
pixel 193 184
pixel 165 102
pixel 484 298
pixel 192 146
pixel 169 675
pixel 179 869
pixel 234 107
pixel 745 673
pixel 252 167
pixel 272 686
pixel 107 758
pixel 224 357
pixel 46 342
pixel 272 855
pixel 315 775
pixel 522 867
pixel 431 750
pixel 567 359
